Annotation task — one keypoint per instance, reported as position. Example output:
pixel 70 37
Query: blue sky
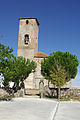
pixel 59 25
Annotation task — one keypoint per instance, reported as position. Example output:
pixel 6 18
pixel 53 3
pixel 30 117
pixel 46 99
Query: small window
pixel 26 39
pixel 27 21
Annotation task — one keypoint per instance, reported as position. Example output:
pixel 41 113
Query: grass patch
pixel 6 97
pixel 70 98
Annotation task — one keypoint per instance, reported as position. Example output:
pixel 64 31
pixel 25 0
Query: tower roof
pixel 30 18
pixel 41 55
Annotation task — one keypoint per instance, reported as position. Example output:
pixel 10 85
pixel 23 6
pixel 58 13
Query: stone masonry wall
pixel 71 91
pixel 2 92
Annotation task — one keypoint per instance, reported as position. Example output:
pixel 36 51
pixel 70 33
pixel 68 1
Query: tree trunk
pixel 14 87
pixel 12 93
pixel 58 93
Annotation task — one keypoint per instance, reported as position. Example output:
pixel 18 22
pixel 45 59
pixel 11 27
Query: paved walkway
pixel 39 109
pixel 27 109
pixel 68 111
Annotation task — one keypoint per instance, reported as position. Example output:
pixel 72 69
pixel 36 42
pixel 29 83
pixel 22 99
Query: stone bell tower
pixel 28 44
pixel 28 37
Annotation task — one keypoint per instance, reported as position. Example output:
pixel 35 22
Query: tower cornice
pixel 30 18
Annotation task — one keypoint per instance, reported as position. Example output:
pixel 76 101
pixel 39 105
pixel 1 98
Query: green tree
pixel 58 77
pixel 17 71
pixel 5 55
pixel 59 68
pixel 14 69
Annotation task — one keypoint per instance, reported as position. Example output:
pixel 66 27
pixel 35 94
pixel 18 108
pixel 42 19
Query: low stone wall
pixel 3 92
pixel 71 91
pixel 19 93
pixel 64 91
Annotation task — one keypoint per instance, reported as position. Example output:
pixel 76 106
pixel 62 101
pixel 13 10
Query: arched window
pixel 27 21
pixel 26 39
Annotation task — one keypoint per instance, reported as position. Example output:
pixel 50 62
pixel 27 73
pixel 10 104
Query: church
pixel 28 48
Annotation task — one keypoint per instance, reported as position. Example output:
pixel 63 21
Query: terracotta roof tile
pixel 41 55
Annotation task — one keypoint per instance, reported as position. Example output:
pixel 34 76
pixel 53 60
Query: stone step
pixel 31 96
pixel 32 91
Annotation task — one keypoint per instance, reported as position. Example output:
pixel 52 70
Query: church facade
pixel 28 48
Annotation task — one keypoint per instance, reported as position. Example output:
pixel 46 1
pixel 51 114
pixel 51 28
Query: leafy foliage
pixel 5 55
pixel 59 68
pixel 68 62
pixel 6 97
pixel 17 70
pixel 14 69
pixel 58 77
